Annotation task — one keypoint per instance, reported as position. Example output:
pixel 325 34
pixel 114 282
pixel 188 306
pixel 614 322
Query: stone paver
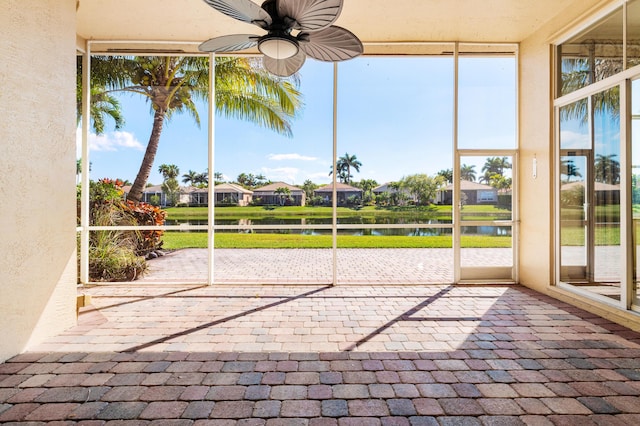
pixel 485 355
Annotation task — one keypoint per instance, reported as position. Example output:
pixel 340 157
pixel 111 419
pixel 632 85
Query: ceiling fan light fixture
pixel 278 46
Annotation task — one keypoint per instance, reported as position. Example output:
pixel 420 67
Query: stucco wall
pixel 37 171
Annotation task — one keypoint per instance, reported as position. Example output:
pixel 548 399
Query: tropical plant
pixel 607 169
pixel 447 175
pixel 468 172
pixel 251 181
pixel 201 180
pixel 172 85
pixel 169 171
pixel 500 182
pixel 344 165
pixel 218 178
pixel 309 187
pixel 494 166
pixel 171 188
pixel 580 72
pixel 283 194
pixel 190 177
pixel 423 187
pixel 103 105
pixel 116 255
pixel 569 169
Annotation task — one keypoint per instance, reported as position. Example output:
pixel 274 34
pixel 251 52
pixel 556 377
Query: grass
pixel 178 240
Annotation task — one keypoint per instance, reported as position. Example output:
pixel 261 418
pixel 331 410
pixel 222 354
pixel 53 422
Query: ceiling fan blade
pixel 229 43
pixel 310 15
pixel 284 67
pixel 242 10
pixel 331 44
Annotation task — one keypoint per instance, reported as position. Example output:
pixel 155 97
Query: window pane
pixel 633 33
pixel 590 202
pixel 487 102
pixel 486 185
pixel 574 129
pixel 271 225
pixel 395 124
pixel 635 183
pixel 169 178
pixel 592 55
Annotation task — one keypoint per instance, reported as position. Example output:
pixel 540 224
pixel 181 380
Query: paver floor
pixel 314 266
pixel 316 355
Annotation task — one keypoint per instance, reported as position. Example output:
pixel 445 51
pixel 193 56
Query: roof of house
pixel 231 187
pixel 340 187
pixel 467 185
pixel 272 187
pixel 384 188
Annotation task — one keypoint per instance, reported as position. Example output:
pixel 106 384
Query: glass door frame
pixel 485 273
pixel 623 82
pixel 588 207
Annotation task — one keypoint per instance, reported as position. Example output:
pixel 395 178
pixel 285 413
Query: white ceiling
pixel 372 21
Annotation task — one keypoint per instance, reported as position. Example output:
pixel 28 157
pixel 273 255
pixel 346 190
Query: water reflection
pixel 247 224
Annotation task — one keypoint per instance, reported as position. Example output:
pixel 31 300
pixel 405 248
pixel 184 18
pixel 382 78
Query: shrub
pixel 112 254
pixel 116 255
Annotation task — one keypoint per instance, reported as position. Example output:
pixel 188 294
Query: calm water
pixel 247 223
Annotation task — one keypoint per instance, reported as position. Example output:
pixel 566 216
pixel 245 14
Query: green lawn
pixel 178 240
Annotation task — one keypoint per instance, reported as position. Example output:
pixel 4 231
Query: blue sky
pixel 394 114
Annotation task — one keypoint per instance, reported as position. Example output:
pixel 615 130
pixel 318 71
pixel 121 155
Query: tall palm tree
pixel 468 172
pixel 283 194
pixel 218 177
pixel 607 169
pixel 494 166
pixel 344 165
pixel 190 177
pixel 569 169
pixel 103 105
pixel 348 162
pixel 201 180
pixel 172 84
pixel 447 174
pixel 168 171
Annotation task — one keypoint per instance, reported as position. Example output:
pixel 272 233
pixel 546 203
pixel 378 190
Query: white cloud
pixel 112 141
pixel 570 139
pixel 285 174
pixel 292 156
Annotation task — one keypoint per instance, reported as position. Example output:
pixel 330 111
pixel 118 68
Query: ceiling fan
pixel 295 29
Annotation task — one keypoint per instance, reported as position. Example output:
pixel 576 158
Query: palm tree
pixel 494 166
pixel 190 177
pixel 201 180
pixel 283 193
pixel 607 170
pixel 344 165
pixel 447 174
pixel 218 177
pixel 169 171
pixel 468 172
pixel 172 84
pixel 102 104
pixel 348 162
pixel 569 169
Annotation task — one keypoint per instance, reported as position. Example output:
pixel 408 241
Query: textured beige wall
pixel 37 171
pixel 536 141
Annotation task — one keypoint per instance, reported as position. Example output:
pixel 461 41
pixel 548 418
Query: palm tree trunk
pixel 135 194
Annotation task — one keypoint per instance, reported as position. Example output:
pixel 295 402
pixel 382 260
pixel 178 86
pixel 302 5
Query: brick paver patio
pixel 316 355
